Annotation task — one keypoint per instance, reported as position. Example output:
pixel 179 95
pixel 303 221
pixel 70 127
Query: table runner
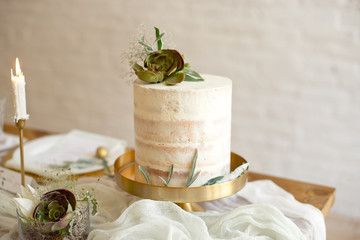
pixel 261 210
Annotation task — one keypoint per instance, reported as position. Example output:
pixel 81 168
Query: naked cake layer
pixel 173 122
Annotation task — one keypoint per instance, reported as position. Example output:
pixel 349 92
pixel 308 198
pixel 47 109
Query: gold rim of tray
pixel 125 171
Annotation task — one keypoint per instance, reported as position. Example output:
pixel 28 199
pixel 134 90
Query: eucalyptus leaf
pixel 191 79
pixel 90 198
pixel 192 73
pixel 145 174
pixel 170 173
pixel 164 182
pixel 158 38
pixel 95 205
pixel 106 166
pixel 212 181
pixel 193 179
pixel 147 47
pixel 189 181
pixel 84 160
pixel 78 164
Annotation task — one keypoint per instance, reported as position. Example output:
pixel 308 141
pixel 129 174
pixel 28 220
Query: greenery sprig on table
pixel 82 163
pixel 163 65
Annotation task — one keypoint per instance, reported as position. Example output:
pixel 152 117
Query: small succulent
pixel 57 214
pixel 57 207
pixel 163 65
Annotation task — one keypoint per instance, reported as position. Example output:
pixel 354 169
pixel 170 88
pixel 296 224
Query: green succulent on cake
pixel 163 65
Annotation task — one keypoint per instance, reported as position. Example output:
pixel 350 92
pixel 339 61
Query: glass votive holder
pixel 78 227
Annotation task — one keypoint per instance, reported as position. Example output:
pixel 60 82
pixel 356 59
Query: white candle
pixel 18 86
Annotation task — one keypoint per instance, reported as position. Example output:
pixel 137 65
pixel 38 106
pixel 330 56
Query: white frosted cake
pixel 172 123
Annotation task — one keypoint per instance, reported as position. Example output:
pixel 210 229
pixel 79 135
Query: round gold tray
pixel 183 196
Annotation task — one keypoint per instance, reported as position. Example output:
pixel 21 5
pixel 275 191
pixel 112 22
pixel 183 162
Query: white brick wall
pixel 295 67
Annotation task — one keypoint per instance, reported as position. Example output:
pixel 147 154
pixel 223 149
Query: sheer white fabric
pixel 260 211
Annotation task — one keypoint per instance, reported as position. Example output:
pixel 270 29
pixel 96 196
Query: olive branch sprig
pixel 190 180
pixel 146 175
pixel 158 41
pixel 193 177
pixel 166 183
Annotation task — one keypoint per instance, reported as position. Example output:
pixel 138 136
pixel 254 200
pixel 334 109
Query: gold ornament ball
pixel 102 152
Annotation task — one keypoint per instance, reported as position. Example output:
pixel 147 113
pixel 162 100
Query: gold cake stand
pixel 186 197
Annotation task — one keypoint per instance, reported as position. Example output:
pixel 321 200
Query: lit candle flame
pixel 17 67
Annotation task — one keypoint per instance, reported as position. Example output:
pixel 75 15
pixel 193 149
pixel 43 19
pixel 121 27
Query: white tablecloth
pixel 261 210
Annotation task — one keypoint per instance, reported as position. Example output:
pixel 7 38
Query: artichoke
pixel 56 207
pixel 162 65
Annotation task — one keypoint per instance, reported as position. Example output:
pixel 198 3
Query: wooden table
pixel 319 196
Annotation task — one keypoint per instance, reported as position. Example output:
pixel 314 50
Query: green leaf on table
pixel 81 163
pixel 106 166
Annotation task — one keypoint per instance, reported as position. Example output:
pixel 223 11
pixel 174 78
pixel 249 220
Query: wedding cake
pixel 182 130
pixel 182 119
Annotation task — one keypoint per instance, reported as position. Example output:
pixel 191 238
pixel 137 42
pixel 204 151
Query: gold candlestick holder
pixel 20 124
